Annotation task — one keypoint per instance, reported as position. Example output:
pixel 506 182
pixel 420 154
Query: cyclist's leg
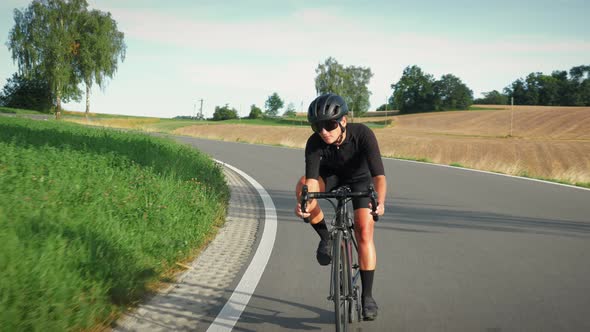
pixel 364 226
pixel 364 231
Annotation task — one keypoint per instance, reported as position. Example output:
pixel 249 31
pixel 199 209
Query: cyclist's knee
pixel 363 225
pixel 363 235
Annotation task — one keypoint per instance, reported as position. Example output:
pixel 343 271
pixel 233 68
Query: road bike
pixel 345 270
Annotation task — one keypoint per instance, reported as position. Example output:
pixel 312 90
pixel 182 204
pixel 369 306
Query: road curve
pixel 457 251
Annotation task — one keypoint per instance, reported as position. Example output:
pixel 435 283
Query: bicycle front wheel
pixel 340 283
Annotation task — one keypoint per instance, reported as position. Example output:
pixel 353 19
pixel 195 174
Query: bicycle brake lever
pixel 304 198
pixel 373 202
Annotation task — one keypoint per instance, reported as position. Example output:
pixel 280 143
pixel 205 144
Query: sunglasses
pixel 329 125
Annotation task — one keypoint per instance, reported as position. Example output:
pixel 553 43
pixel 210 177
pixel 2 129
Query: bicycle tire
pixel 352 292
pixel 340 284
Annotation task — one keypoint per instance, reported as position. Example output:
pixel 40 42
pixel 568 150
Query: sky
pixel 241 52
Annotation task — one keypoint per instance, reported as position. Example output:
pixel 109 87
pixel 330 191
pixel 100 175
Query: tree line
pixel 417 91
pixel 561 88
pixel 59 45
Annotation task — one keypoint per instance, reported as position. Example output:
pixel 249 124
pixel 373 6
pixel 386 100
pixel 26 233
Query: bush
pixel 224 113
pixel 27 93
pixel 492 98
pixel 255 112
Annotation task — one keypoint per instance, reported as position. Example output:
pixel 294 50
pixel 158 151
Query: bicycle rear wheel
pixel 341 275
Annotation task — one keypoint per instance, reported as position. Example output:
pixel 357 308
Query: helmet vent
pixel 335 109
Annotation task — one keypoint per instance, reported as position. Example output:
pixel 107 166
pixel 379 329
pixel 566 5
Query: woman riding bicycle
pixel 342 153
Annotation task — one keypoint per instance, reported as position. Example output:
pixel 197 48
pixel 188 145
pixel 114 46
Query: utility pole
pixel 511 114
pixel 386 102
pixel 200 115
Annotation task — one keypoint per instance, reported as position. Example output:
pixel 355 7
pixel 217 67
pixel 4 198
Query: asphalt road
pixel 457 251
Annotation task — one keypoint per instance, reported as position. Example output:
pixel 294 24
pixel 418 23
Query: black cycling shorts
pixel 332 182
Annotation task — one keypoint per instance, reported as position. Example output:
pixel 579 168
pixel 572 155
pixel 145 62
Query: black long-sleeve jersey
pixel 357 158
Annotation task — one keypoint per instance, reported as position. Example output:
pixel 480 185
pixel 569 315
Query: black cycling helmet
pixel 326 107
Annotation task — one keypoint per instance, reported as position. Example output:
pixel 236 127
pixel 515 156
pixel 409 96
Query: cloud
pixel 241 62
pixel 318 31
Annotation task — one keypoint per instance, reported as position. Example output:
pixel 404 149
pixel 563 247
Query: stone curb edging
pixel 193 301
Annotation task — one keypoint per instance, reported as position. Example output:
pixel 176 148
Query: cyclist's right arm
pixel 313 185
pixel 312 171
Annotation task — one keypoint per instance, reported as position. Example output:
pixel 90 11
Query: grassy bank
pixel 10 110
pixel 90 218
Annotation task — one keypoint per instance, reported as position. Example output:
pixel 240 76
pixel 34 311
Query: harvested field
pixel 546 142
pixel 272 135
pixel 129 123
pixel 552 159
pixel 561 123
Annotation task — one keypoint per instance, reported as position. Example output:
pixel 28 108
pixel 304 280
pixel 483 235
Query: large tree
pixel 349 82
pixel 66 44
pixel 516 92
pixel 330 77
pixel 414 92
pixel 44 41
pixel 452 94
pixel 100 47
pixel 580 83
pixel 273 104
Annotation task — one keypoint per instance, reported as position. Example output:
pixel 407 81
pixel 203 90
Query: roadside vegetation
pixel 92 219
pixel 10 110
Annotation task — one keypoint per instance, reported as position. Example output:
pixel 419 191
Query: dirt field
pixel 546 142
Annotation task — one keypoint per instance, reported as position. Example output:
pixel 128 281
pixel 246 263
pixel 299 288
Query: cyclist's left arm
pixel 371 146
pixel 380 183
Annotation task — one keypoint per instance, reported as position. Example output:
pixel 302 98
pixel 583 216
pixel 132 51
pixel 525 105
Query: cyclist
pixel 339 153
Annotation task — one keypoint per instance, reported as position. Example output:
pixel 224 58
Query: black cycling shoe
pixel 323 254
pixel 370 309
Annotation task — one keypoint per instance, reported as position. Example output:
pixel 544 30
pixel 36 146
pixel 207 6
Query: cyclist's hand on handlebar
pixel 379 211
pixel 299 213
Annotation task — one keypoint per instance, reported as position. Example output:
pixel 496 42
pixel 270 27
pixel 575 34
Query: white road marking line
pixel 233 308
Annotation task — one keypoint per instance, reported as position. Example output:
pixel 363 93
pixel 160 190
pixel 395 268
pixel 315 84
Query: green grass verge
pixel 478 108
pixel 89 218
pixel 10 110
pixel 525 174
pixel 422 160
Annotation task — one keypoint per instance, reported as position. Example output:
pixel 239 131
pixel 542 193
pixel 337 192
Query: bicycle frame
pixel 344 246
pixel 345 270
